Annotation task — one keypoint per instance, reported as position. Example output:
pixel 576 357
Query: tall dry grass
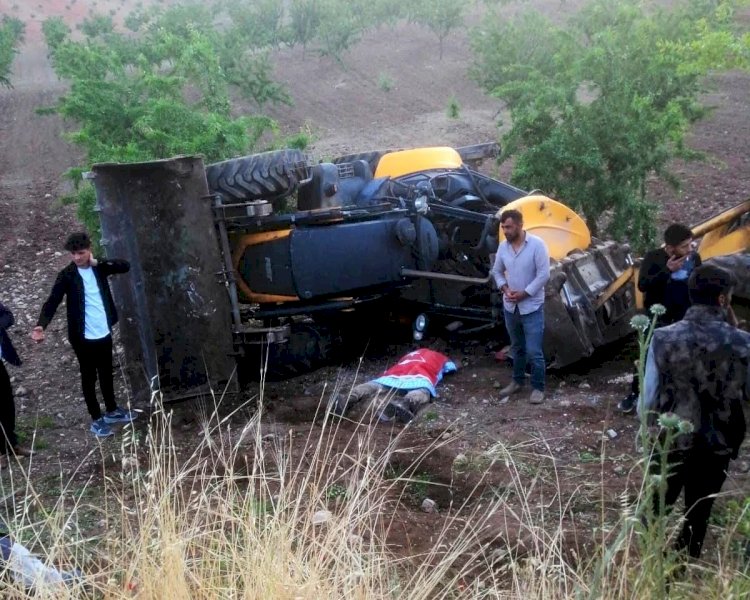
pixel 246 516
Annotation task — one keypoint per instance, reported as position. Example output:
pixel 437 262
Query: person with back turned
pixel 698 371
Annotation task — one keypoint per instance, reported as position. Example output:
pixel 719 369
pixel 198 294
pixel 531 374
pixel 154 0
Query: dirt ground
pixel 589 445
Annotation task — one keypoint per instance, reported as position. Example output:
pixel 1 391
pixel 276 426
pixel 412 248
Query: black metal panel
pixel 266 268
pixel 340 258
pixel 175 317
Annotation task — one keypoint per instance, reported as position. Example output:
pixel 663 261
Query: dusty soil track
pixel 347 111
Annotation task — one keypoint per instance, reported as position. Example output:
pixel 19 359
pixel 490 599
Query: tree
pixel 304 18
pixel 334 25
pixel 162 91
pixel 601 103
pixel 339 28
pixel 11 36
pixel 258 22
pixel 55 32
pixel 439 16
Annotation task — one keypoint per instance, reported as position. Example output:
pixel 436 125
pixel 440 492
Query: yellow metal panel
pixel 639 298
pixel 726 233
pixel 625 277
pixel 723 218
pixel 404 162
pixel 561 229
pixel 719 243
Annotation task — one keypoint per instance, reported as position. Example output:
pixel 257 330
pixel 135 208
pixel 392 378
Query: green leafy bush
pixel 603 102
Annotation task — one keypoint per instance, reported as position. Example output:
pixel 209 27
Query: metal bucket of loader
pixel 175 321
pixel 561 229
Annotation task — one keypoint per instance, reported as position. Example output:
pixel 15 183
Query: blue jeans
pixel 526 334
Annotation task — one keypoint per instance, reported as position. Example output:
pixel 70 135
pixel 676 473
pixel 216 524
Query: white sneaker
pixel 509 389
pixel 537 397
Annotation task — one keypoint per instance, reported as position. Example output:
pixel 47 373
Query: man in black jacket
pixel 664 273
pixel 663 279
pixel 8 439
pixel 91 316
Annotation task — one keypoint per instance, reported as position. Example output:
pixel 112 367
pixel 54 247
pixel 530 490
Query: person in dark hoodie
pixel 8 439
pixel 663 279
pixel 91 315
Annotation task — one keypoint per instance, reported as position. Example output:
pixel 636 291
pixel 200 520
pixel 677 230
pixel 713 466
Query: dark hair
pixel 511 213
pixel 708 282
pixel 677 233
pixel 78 241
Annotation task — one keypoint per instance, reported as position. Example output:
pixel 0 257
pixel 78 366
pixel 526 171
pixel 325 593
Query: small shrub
pixel 419 485
pixel 385 82
pixel 300 141
pixel 335 491
pixel 454 108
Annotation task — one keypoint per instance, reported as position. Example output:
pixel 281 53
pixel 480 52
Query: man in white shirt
pixel 91 315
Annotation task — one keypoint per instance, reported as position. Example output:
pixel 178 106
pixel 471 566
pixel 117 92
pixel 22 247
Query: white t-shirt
pixel 95 318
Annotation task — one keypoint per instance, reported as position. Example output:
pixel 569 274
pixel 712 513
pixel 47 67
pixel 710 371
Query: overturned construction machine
pixel 225 274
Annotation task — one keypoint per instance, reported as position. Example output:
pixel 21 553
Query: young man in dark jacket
pixel 8 439
pixel 663 279
pixel 698 370
pixel 91 316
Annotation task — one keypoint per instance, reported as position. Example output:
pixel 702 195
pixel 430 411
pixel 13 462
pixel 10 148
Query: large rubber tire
pixel 372 158
pixel 265 176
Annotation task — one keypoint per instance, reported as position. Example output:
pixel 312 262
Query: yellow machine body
pixel 726 233
pixel 405 162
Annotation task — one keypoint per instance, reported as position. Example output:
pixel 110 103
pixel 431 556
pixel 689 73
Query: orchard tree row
pixel 597 104
pixel 11 35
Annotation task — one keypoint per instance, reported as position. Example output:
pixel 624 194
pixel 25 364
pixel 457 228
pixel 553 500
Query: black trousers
pixel 701 473
pixel 95 360
pixel 7 413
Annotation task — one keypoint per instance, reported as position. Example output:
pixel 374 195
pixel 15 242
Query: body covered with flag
pixel 422 368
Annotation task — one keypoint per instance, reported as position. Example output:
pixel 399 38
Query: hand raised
pixel 675 263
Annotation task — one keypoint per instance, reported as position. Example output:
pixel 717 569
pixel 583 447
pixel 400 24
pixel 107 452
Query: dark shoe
pixel 22 450
pixel 628 404
pixel 396 410
pixel 120 415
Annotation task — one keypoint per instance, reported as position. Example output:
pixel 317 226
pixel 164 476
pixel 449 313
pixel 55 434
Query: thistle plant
pixel 656 442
